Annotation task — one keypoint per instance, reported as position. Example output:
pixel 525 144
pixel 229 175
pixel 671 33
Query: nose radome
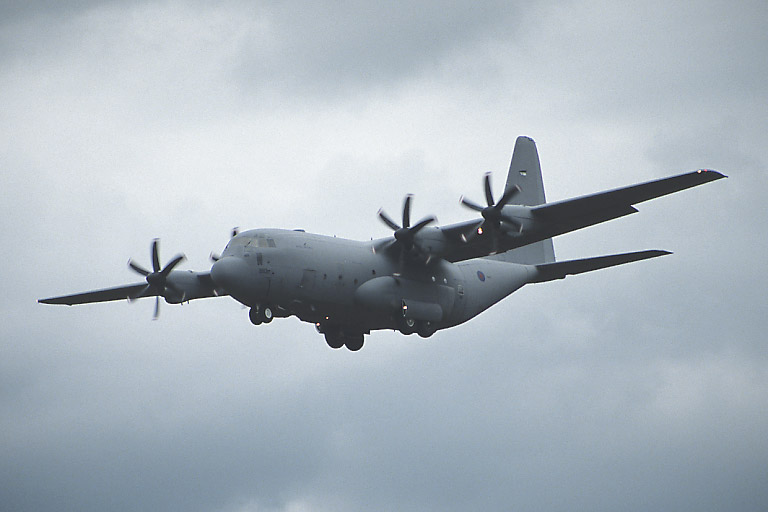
pixel 228 272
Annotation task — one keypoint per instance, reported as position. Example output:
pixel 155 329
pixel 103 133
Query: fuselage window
pixel 259 258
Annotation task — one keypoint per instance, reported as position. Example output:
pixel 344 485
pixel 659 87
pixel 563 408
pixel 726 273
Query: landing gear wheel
pixel 253 314
pixel 426 329
pixel 334 340
pixel 261 314
pixel 354 342
pixel 333 336
pixel 406 325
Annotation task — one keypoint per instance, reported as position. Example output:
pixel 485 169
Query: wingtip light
pixel 712 171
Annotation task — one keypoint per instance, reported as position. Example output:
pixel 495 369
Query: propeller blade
pixel 387 220
pixel 407 211
pixel 495 221
pixel 157 281
pixel 506 219
pixel 404 235
pixel 472 205
pixel 488 193
pixel 508 226
pixel 421 224
pixel 138 268
pixel 155 256
pixel 509 194
pixel 171 286
pixel 494 245
pixel 139 294
pixel 175 261
pixel 382 246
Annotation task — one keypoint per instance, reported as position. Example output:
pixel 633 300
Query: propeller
pixel 493 214
pixel 404 235
pixel 157 280
pixel 214 256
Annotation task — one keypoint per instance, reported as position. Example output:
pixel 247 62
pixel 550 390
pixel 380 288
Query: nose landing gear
pixel 261 314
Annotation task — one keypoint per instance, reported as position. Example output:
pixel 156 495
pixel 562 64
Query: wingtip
pixel 713 174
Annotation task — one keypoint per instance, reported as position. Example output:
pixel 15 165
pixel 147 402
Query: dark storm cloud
pixel 333 49
pixel 636 388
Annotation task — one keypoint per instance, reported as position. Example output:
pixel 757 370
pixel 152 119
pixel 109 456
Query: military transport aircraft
pixel 421 279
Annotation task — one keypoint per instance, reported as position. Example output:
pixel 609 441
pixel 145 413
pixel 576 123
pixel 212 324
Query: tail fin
pixel 525 172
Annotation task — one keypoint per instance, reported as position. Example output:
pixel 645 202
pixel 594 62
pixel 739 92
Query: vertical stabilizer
pixel 525 172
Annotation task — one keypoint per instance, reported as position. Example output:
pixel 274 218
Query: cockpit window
pixel 235 242
pixel 263 242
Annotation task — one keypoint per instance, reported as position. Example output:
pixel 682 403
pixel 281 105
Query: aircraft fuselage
pixel 339 283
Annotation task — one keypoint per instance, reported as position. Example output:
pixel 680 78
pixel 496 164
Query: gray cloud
pixel 635 388
pixel 333 50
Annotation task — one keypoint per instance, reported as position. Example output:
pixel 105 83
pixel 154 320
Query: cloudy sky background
pixel 637 388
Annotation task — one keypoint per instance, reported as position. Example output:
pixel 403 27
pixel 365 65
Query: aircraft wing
pixel 551 219
pixel 621 199
pixel 131 291
pixel 182 286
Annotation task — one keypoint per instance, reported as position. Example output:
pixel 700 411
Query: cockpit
pixel 262 241
pixel 243 245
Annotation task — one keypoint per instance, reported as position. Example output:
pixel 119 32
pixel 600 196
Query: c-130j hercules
pixel 420 280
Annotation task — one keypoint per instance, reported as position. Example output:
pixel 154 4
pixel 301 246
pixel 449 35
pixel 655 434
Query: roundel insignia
pixel 480 276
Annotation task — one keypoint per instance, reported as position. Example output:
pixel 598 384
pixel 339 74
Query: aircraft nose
pixel 228 272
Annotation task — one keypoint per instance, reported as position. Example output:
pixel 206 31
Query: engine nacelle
pixel 188 285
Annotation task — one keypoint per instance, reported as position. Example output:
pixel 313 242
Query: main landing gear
pixel 406 325
pixel 423 328
pixel 261 314
pixel 336 337
pixel 426 329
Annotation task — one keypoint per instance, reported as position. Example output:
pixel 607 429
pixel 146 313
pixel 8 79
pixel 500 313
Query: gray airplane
pixel 422 279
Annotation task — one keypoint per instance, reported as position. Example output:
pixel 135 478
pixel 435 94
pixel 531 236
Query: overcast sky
pixel 643 387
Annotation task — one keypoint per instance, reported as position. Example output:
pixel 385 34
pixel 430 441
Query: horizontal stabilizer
pixel 551 271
